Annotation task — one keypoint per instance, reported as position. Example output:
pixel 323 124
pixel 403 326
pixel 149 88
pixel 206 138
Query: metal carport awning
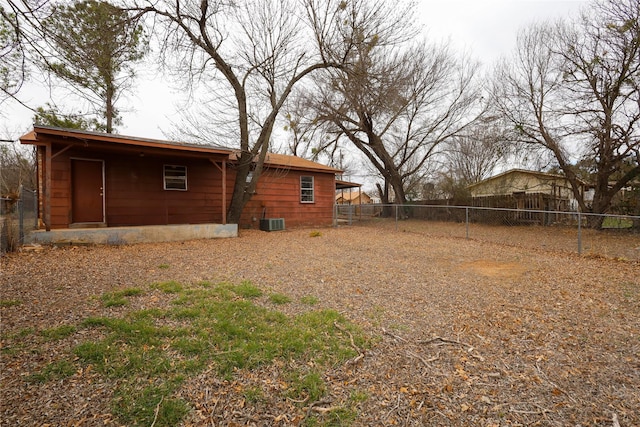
pixel 343 185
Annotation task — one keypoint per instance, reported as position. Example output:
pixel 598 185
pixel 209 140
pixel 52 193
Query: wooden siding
pixel 60 193
pixel 134 190
pixel 278 196
pixel 135 195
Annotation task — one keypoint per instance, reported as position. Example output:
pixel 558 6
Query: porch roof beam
pixel 53 156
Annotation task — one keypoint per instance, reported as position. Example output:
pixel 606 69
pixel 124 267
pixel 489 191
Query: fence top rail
pixel 631 217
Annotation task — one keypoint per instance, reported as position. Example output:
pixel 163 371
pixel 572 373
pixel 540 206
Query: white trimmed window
pixel 175 177
pixel 306 189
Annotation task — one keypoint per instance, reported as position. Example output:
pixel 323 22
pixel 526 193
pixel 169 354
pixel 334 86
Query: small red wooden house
pixel 95 180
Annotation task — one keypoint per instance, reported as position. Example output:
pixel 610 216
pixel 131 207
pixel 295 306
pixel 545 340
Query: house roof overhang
pixel 45 135
pixel 283 161
pixel 343 185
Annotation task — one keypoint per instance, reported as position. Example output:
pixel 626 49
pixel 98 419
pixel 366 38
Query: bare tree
pixel 397 101
pixel 19 39
pixel 306 139
pixel 249 56
pixel 436 103
pixel 474 155
pixel 17 169
pixel 573 90
pixel 12 69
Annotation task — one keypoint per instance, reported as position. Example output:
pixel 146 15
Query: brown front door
pixel 87 190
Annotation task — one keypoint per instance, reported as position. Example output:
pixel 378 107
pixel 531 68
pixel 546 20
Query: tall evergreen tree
pixel 94 46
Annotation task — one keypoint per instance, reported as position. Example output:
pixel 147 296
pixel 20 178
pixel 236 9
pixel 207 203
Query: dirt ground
pixel 468 332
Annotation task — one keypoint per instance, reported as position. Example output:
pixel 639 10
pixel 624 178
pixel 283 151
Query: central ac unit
pixel 272 224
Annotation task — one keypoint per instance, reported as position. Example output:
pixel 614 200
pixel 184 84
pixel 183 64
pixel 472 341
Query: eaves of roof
pixel 343 185
pixel 272 160
pixel 82 135
pixel 284 161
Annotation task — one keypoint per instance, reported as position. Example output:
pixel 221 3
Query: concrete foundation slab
pixel 128 235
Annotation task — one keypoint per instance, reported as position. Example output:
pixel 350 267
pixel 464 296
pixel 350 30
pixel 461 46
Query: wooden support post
pixel 47 187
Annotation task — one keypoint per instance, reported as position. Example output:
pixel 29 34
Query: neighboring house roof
pixel 351 195
pixel 542 175
pixel 272 160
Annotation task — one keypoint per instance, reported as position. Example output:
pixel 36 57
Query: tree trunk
pixel 387 168
pixel 238 201
pixel 398 189
pixel 384 198
pixel 109 108
pixel 601 203
pixel 250 161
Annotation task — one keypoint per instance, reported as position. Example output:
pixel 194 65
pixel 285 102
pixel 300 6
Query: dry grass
pixel 469 332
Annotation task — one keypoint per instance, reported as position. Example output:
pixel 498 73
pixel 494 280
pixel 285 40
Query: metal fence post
pixel 3 227
pixel 20 206
pixel 20 220
pixel 467 220
pixel 35 210
pixel 579 234
pixel 396 217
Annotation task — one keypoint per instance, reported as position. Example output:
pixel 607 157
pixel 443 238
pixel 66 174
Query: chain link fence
pixel 17 218
pixel 611 236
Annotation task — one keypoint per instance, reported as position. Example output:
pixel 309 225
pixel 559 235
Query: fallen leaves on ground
pixel 469 332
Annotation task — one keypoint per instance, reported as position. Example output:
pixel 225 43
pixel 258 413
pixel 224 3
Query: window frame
pixel 176 178
pixel 305 192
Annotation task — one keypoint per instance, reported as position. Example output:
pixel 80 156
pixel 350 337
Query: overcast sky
pixel 485 28
pixel 488 28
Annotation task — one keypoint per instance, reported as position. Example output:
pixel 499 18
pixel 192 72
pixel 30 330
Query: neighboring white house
pixel 520 182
